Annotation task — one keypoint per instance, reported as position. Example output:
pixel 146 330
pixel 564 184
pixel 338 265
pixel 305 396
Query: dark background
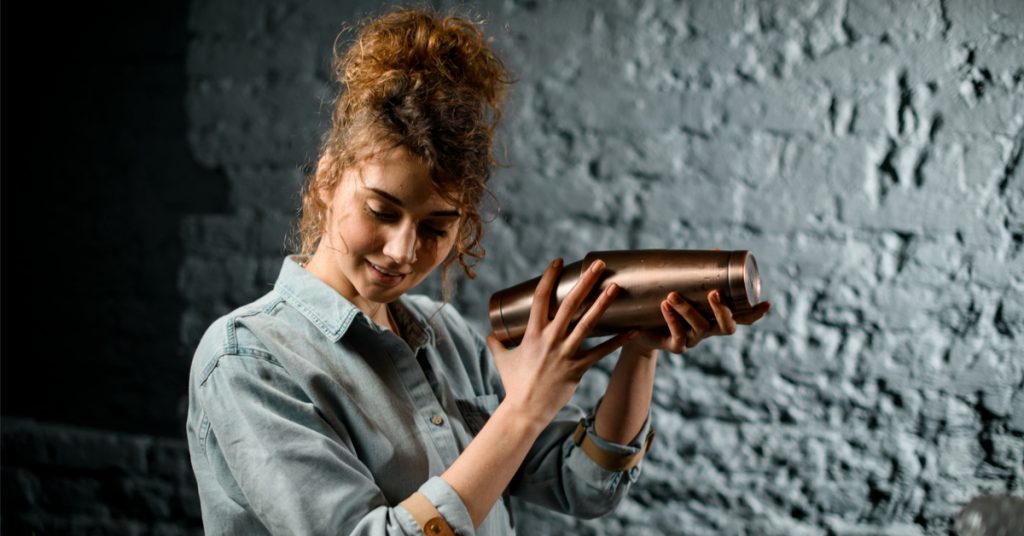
pixel 97 154
pixel 98 177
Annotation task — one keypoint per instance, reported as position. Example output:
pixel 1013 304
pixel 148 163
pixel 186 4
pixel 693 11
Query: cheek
pixel 355 234
pixel 447 244
pixel 444 250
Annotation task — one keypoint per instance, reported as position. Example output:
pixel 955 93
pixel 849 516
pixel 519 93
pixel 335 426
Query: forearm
pixel 627 400
pixel 485 468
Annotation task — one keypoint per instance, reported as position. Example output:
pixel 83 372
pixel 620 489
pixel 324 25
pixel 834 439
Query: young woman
pixel 338 403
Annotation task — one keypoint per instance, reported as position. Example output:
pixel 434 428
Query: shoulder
pixel 237 333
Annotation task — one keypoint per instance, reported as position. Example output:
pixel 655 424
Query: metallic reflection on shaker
pixel 645 278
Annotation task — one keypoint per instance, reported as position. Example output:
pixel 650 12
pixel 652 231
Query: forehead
pixel 403 176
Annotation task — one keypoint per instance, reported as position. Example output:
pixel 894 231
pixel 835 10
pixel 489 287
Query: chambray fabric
pixel 306 417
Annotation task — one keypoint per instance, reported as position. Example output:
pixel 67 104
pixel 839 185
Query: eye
pixel 382 216
pixel 440 233
pixel 388 217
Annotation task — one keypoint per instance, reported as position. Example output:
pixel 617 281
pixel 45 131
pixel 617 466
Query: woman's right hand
pixel 542 373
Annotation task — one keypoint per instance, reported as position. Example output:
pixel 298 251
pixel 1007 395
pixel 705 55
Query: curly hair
pixel 426 82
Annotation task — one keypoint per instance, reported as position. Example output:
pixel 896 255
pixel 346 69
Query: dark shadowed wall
pixel 99 175
pixel 867 151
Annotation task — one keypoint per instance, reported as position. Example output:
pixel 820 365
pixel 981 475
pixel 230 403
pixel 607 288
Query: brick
pixel 901 21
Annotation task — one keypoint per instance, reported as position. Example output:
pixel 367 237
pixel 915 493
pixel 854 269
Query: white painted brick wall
pixel 867 151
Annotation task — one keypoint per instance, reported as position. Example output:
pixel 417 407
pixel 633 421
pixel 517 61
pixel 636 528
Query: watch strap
pixel 609 460
pixel 428 519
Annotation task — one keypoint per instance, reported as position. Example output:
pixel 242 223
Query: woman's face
pixel 386 230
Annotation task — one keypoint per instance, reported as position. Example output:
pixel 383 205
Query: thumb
pixel 494 344
pixel 597 353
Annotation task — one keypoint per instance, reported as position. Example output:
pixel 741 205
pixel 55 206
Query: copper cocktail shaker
pixel 645 278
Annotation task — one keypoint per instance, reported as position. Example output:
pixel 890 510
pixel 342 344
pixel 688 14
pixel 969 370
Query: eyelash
pixel 388 217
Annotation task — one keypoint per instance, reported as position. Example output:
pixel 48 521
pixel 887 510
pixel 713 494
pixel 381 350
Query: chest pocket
pixel 477 410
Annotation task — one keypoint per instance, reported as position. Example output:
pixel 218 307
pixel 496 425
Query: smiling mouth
pixel 384 276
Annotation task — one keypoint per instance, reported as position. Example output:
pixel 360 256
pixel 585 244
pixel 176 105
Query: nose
pixel 401 245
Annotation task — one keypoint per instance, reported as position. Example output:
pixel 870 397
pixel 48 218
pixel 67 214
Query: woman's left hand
pixel 687 327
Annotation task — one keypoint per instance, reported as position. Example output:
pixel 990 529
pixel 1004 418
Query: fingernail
pixel 674 298
pixel 597 266
pixel 611 289
pixel 557 263
pixel 715 297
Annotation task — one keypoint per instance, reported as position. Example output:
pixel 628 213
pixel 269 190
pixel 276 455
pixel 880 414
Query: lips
pixel 382 275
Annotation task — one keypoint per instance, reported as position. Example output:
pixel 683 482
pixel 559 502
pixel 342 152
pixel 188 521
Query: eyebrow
pixel 397 201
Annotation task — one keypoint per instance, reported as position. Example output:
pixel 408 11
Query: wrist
pixel 636 349
pixel 521 419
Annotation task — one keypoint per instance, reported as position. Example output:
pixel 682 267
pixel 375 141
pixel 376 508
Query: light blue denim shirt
pixel 306 417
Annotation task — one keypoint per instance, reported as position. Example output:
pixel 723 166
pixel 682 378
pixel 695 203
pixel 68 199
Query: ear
pixel 325 195
pixel 322 168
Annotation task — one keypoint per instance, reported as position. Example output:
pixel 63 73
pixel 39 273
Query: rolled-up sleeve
pixel 447 502
pixel 597 476
pixel 268 447
pixel 559 475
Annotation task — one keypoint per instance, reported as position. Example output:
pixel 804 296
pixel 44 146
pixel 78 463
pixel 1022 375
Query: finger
pixel 571 303
pixel 759 311
pixel 595 354
pixel 678 330
pixel 539 310
pixel 493 344
pixel 723 314
pixel 699 325
pixel 593 314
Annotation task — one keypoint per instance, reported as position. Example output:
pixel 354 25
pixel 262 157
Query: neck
pixel 392 321
pixel 376 312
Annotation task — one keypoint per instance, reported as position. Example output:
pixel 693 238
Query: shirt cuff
pixel 594 474
pixel 448 504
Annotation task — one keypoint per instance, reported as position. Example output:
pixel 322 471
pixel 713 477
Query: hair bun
pixel 414 50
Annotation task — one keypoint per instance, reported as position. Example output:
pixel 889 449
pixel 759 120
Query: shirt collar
pixel 332 314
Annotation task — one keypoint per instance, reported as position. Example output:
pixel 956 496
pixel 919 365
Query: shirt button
pixel 438 420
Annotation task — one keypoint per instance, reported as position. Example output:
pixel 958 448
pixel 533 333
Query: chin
pixel 374 292
pixel 378 296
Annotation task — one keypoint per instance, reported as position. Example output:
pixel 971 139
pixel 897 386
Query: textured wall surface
pixel 867 151
pixel 61 479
